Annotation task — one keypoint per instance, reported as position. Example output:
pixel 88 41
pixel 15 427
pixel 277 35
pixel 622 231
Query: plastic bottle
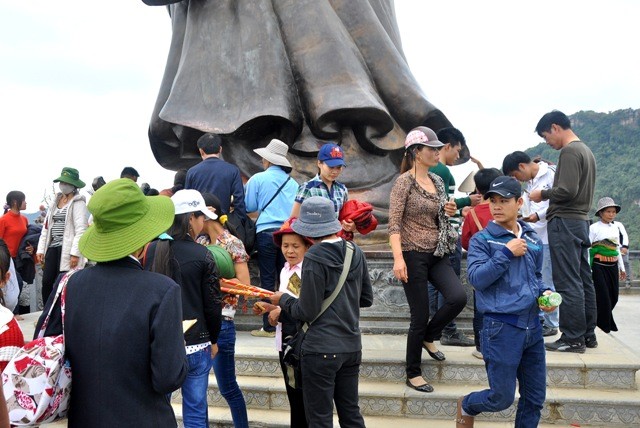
pixel 549 300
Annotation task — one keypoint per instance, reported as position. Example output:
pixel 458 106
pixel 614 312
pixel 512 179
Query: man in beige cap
pixel 271 193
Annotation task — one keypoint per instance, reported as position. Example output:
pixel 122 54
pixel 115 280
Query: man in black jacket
pixel 332 347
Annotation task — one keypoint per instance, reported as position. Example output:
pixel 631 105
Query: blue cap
pixel 331 154
pixel 507 187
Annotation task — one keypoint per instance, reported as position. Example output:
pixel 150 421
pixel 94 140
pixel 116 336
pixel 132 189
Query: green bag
pixel 223 261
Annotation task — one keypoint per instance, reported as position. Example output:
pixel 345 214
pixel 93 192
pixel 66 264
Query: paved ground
pixel 627 316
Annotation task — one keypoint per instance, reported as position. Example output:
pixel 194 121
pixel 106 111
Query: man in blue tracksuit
pixel 504 266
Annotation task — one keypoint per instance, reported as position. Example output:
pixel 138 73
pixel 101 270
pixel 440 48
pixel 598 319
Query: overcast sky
pixel 78 79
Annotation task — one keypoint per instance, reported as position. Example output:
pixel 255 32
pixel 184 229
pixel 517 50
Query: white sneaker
pixel 477 354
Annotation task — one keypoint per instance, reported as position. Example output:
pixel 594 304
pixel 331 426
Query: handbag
pixel 37 380
pixel 292 353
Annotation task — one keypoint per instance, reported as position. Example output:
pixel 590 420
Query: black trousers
pixel 329 378
pixel 423 268
pixel 296 401
pixel 51 270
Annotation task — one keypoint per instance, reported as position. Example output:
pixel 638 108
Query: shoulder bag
pixel 37 380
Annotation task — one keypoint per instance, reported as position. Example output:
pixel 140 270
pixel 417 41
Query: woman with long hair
pixel 65 223
pixel 216 238
pixel 421 240
pixel 192 266
pixel 13 228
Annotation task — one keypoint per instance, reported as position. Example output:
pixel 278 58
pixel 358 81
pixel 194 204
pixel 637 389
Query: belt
pixel 225 318
pixel 609 259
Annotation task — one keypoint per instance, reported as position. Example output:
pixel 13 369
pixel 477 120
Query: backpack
pixel 243 228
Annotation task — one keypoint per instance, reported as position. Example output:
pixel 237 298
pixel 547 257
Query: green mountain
pixel 614 138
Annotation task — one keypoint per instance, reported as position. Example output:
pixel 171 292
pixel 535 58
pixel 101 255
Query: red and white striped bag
pixel 37 380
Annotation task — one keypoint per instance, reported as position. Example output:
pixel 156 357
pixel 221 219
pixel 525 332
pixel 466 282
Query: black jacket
pixel 25 264
pixel 125 345
pixel 337 329
pixel 198 280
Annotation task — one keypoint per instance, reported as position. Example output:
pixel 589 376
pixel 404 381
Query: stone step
pixel 608 366
pixel 221 418
pixel 608 407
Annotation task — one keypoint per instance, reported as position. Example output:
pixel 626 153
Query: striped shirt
pixel 316 187
pixel 57 229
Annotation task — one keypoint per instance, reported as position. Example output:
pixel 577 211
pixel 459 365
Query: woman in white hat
pixel 271 193
pixel 192 266
pixel 607 267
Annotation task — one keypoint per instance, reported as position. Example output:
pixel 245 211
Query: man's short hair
pixel 210 143
pixel 513 160
pixel 553 117
pixel 451 136
pixel 129 171
pixel 484 177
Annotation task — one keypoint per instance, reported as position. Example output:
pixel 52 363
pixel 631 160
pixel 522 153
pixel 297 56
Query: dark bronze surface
pixel 303 71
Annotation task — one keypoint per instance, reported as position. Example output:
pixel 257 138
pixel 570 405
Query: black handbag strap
pixel 343 277
pixel 276 194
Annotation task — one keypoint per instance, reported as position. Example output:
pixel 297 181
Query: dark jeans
pixel 224 367
pixel 296 400
pixel 436 300
pixel 422 268
pixel 511 353
pixel 329 378
pixel 478 319
pixel 569 245
pixel 51 270
pixel 270 262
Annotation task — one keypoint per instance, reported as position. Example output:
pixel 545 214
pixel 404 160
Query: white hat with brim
pixel 190 201
pixel 275 152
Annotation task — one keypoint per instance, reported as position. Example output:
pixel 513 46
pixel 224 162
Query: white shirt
pixel 285 274
pixel 542 181
pixel 600 231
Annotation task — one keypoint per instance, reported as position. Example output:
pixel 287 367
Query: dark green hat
pixel 124 220
pixel 70 176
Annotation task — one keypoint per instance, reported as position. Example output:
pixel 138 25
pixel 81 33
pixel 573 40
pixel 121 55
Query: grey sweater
pixel 572 192
pixel 337 330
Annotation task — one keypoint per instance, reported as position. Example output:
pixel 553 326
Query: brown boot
pixel 463 421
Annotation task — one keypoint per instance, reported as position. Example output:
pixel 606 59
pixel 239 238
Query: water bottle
pixel 550 300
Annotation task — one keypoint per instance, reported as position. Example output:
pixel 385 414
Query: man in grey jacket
pixel 570 200
pixel 332 347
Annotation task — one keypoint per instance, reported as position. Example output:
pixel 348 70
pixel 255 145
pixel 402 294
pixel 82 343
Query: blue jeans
pixel 224 366
pixel 550 318
pixel 436 300
pixel 511 353
pixel 270 262
pixel 194 390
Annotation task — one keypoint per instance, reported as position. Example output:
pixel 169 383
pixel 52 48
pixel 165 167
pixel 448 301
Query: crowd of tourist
pixel 149 310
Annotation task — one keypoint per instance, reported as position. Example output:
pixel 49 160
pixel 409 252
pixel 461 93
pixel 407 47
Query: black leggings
pixel 422 268
pixel 51 271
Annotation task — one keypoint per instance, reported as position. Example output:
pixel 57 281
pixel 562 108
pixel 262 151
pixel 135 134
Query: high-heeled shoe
pixel 425 387
pixel 438 355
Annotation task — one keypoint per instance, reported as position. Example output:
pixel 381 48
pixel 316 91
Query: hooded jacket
pixel 337 330
pixel 75 225
pixel 506 286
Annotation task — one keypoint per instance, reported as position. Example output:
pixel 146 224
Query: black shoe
pixel 562 346
pixel 591 342
pixel 422 388
pixel 549 331
pixel 456 339
pixel 438 355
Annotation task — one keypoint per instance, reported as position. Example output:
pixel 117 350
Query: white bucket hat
pixel 189 201
pixel 275 152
